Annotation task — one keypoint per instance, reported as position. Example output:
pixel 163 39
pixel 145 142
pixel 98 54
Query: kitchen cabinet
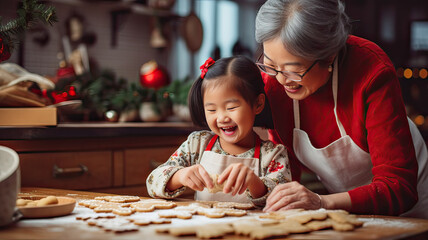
pixel 110 158
pixel 70 170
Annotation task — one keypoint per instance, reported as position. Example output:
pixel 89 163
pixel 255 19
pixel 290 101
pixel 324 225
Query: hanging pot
pixel 192 32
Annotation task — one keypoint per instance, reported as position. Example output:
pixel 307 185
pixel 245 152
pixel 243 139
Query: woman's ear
pixel 328 62
pixel 260 103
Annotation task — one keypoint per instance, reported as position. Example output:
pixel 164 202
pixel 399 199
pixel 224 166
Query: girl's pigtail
pixel 195 102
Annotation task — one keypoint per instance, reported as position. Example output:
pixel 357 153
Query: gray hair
pixel 311 29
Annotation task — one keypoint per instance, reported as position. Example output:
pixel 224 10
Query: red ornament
pixel 69 93
pixel 4 50
pixel 65 72
pixel 153 76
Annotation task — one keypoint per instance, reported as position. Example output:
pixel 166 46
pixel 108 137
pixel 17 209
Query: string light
pixel 419 120
pixel 423 73
pixel 408 73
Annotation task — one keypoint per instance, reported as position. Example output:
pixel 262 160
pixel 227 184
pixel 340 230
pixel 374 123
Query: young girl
pixel 229 98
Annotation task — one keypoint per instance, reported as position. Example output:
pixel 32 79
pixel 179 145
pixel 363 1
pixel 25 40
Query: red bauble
pixel 153 76
pixel 65 72
pixel 4 50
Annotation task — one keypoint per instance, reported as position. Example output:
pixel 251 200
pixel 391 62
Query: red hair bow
pixel 204 67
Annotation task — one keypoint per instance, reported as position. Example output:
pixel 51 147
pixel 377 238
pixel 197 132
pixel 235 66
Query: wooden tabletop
pixel 67 227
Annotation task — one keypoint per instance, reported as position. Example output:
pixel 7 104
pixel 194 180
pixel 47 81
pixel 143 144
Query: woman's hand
pixel 239 178
pixel 194 177
pixel 292 195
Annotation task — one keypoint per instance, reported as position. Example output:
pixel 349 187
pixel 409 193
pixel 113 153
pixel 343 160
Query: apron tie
pixel 256 147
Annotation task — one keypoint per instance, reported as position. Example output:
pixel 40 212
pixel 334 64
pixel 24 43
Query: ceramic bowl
pixel 10 183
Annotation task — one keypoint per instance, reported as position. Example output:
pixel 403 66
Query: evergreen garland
pixel 29 13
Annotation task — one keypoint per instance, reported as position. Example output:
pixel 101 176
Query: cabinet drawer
pixel 67 170
pixel 140 162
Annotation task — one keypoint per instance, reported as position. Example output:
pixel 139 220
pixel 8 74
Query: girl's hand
pixel 292 195
pixel 194 177
pixel 239 177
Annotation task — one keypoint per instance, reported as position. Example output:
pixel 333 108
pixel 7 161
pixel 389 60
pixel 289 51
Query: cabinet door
pixel 140 162
pixel 67 170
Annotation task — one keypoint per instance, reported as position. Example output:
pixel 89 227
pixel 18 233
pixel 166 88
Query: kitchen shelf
pixel 131 6
pixel 120 8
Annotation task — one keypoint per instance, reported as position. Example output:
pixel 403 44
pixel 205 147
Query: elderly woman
pixel 337 106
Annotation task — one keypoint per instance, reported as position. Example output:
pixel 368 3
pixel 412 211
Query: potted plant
pixel 127 102
pixel 178 92
pixel 155 105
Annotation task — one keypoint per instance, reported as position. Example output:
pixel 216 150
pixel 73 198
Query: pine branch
pixel 29 14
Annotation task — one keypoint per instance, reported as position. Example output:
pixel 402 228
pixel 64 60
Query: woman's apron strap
pixel 335 86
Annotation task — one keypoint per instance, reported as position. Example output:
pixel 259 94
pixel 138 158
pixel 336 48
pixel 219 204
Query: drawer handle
pixel 69 172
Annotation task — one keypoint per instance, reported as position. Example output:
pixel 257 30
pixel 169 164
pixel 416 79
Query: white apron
pixel 215 163
pixel 343 165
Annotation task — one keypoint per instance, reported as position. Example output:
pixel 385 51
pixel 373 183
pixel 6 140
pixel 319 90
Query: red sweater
pixel 371 109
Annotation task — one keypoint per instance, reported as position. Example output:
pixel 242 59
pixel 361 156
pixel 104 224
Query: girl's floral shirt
pixel 274 165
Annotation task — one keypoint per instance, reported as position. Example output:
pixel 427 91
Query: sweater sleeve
pixel 188 154
pixel 295 165
pixel 393 188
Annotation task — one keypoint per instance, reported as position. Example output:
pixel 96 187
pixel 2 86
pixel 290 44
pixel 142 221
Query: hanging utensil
pixel 192 32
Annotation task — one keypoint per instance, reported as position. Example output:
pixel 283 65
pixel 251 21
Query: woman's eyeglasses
pixel 293 76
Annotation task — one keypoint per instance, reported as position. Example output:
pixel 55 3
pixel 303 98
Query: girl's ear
pixel 260 103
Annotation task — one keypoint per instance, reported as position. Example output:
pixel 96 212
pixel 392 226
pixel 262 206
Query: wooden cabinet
pixel 113 163
pixel 140 162
pixel 67 170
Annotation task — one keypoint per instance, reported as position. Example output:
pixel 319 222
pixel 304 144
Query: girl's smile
pixel 229 130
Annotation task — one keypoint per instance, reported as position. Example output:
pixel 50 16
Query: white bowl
pixel 10 183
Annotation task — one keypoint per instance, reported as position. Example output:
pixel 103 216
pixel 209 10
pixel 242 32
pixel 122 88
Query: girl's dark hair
pixel 247 80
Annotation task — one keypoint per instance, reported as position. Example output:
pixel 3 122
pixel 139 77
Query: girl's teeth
pixel 229 129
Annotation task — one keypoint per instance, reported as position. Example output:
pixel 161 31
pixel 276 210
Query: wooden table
pixel 375 227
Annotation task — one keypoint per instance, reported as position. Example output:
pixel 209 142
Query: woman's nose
pixel 281 78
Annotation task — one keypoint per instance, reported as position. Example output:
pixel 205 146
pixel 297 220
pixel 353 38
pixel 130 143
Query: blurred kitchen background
pixel 104 52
